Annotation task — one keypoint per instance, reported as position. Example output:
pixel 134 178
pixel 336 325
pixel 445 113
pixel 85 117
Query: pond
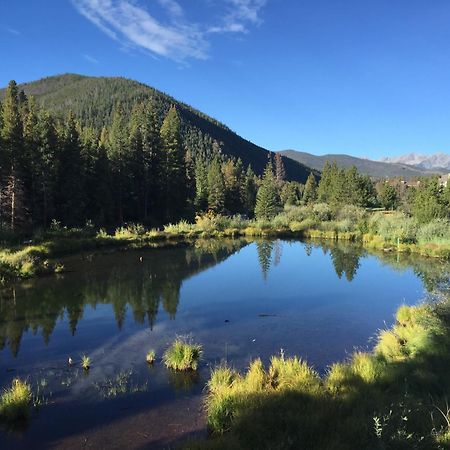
pixel 239 299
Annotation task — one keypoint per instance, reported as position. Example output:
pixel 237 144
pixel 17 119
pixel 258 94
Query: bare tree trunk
pixel 13 202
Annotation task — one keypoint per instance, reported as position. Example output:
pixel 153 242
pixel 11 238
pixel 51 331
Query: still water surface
pixel 240 300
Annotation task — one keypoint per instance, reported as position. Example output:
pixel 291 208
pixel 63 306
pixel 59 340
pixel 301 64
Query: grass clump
pixel 151 356
pixel 292 373
pixel 394 397
pixel 16 401
pixel 230 394
pixel 182 355
pixel 222 378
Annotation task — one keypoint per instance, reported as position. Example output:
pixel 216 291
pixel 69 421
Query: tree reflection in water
pixel 120 279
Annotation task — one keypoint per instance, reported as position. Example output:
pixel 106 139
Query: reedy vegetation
pixel 16 402
pixel 392 398
pixel 182 355
pixel 390 231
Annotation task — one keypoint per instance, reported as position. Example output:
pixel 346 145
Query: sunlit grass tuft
pixel 182 355
pixel 85 362
pixel 292 373
pixel 222 378
pixel 15 402
pixel 151 356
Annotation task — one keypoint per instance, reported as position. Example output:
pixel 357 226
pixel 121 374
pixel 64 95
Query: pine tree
pixel 31 156
pixel 388 196
pixel 429 201
pixel 232 172
pixel 102 202
pixel 174 172
pixel 12 134
pixel 12 158
pixel 248 192
pixel 152 149
pixel 117 154
pixel 138 164
pixel 216 187
pixel 326 181
pixel 267 203
pixel 45 169
pixel 70 183
pixel 310 191
pixel 201 185
pixel 290 193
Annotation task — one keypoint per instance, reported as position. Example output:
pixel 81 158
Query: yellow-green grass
pixel 86 362
pixel 182 355
pixel 388 398
pixel 16 401
pixel 150 357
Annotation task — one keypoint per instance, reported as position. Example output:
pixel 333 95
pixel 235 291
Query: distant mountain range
pixel 438 161
pixel 92 100
pixel 376 169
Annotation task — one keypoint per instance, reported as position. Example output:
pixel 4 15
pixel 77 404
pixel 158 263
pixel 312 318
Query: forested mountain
pixel 92 100
pixel 144 162
pixel 375 169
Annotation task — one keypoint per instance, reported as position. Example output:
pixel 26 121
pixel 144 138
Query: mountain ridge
pixel 92 100
pixel 375 169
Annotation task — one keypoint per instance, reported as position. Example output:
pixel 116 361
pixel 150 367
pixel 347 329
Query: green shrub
pixel 181 227
pixel 182 355
pixel 322 212
pixel 281 221
pixel 298 213
pixel 131 231
pixel 436 230
pixel 352 213
pixel 15 402
pixel 397 226
pixel 305 225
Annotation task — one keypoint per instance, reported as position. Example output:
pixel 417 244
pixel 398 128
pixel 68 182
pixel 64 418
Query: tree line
pixel 139 168
pixel 134 170
pixel 426 200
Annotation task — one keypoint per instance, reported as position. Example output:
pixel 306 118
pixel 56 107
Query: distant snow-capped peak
pixel 436 161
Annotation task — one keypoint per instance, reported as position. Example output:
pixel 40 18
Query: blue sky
pixel 368 78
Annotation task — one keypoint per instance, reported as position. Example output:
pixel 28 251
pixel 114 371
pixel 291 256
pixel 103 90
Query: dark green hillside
pixel 92 100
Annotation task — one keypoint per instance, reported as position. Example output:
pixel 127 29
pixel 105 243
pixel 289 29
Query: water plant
pixel 118 385
pixel 16 401
pixel 85 362
pixel 182 355
pixel 151 356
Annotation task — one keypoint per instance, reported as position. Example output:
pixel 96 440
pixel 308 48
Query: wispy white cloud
pixel 90 58
pixel 13 31
pixel 240 14
pixel 172 7
pixel 172 36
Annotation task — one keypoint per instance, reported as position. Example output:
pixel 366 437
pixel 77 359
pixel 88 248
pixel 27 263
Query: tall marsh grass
pixel 182 355
pixel 393 397
pixel 16 401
